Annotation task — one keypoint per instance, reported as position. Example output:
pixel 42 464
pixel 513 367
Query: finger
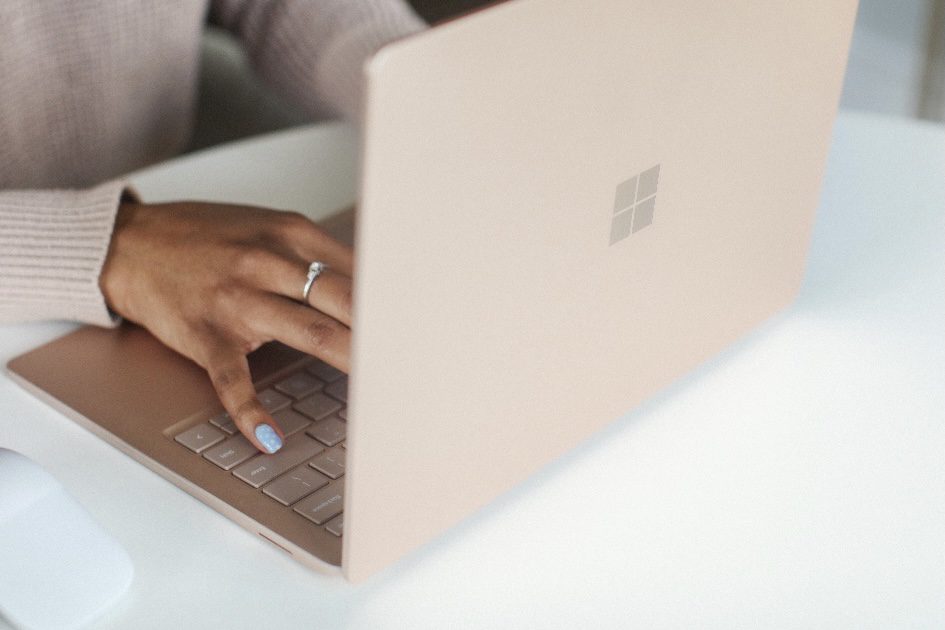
pixel 311 243
pixel 330 293
pixel 229 373
pixel 305 329
pixel 318 245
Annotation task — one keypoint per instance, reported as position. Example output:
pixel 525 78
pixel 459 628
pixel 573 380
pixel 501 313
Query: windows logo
pixel 634 204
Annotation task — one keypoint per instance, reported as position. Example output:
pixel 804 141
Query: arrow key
pixel 295 484
pixel 200 437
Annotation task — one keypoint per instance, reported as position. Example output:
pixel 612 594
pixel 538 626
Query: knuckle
pixel 320 334
pixel 232 254
pixel 251 259
pixel 225 299
pixel 296 219
pixel 318 231
pixel 292 223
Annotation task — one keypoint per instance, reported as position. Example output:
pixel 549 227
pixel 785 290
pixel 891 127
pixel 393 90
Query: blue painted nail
pixel 268 437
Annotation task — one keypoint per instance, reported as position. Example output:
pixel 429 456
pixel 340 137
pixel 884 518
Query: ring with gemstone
pixel 314 270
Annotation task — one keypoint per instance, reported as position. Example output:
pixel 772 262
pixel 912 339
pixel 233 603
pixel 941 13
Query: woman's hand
pixel 215 282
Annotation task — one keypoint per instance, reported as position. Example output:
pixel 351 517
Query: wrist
pixel 113 280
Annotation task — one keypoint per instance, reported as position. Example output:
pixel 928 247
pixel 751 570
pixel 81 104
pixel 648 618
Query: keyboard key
pixel 272 400
pixel 338 389
pixel 324 505
pixel 331 462
pixel 231 453
pixel 300 385
pixel 200 437
pixel 324 371
pixel 317 406
pixel 291 421
pixel 336 525
pixel 225 423
pixel 329 431
pixel 221 419
pixel 343 413
pixel 264 468
pixel 295 484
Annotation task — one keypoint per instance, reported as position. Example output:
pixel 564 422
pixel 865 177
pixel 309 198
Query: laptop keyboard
pixel 307 474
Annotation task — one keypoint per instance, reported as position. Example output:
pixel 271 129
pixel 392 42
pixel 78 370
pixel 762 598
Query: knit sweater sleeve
pixel 53 244
pixel 313 51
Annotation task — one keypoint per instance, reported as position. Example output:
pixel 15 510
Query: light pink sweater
pixel 93 89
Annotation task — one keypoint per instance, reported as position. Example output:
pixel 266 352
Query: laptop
pixel 565 206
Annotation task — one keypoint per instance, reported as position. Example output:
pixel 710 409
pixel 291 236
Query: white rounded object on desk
pixel 58 567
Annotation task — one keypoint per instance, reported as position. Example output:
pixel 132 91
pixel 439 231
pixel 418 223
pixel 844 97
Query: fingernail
pixel 268 437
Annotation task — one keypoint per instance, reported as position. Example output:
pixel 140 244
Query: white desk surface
pixel 796 481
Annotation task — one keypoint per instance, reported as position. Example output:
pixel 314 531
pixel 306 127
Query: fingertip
pixel 268 437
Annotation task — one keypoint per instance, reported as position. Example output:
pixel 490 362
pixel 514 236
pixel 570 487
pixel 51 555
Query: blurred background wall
pixel 896 67
pixel 895 62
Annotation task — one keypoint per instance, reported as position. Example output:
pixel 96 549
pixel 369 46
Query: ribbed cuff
pixel 53 244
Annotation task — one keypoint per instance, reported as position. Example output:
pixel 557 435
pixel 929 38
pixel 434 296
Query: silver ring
pixel 314 270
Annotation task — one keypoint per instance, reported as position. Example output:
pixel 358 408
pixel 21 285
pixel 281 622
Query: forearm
pixel 53 244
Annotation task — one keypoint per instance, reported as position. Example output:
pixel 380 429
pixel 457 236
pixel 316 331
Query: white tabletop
pixel 796 481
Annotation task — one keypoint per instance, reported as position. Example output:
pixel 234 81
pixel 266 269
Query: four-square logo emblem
pixel 634 204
